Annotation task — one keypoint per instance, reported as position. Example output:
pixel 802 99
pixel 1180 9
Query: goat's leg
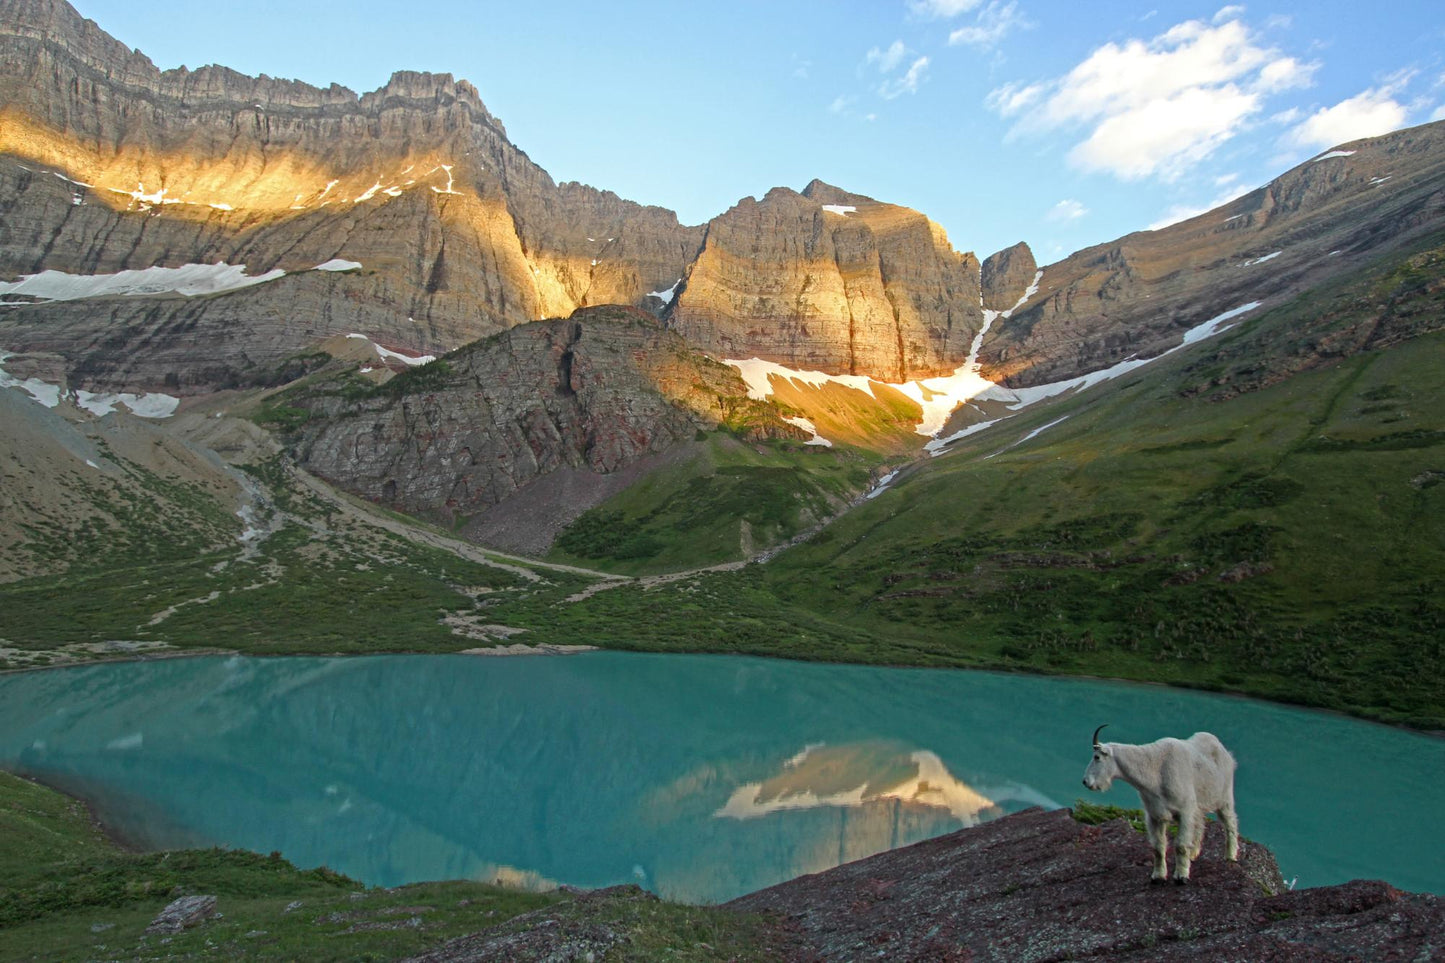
pixel 1231 830
pixel 1184 843
pixel 1158 830
pixel 1197 843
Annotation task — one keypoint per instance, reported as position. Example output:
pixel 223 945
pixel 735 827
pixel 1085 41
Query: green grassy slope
pixel 736 496
pixel 66 893
pixel 323 582
pixel 1260 514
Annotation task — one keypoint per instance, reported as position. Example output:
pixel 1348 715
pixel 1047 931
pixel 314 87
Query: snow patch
pixel 1018 398
pixel 1333 153
pixel 338 264
pixel 807 425
pixel 757 373
pixel 153 404
pixel 940 397
pixel 1036 432
pixel 448 188
pixel 189 280
pixel 842 210
pixel 1377 181
pixel 1261 260
pixel 144 198
pixel 665 296
pixel 883 484
pixel 385 353
pixel 43 392
pixel 221 207
pixel 938 445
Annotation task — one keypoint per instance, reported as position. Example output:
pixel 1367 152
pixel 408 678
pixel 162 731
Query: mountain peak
pixel 825 193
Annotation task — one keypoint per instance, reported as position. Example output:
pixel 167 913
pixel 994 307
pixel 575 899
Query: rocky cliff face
pixel 831 281
pixel 594 394
pixel 1006 275
pixel 1137 295
pixel 443 232
pixel 107 164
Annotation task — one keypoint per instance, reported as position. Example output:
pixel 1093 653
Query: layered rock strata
pixel 831 281
pixel 1137 295
pixel 108 164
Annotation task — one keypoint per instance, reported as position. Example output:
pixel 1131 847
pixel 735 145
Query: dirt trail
pixel 362 512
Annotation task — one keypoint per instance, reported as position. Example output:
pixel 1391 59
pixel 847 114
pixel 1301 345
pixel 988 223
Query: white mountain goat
pixel 1179 780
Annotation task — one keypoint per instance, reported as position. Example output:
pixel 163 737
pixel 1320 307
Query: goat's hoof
pixel 1181 881
pixel 1157 880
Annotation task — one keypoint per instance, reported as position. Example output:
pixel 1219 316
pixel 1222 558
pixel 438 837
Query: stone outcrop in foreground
pixel 1040 886
pixel 1034 886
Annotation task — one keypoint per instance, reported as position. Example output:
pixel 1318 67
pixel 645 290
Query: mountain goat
pixel 1177 779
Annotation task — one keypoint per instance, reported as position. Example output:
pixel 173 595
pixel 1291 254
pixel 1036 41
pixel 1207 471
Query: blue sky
pixel 1059 123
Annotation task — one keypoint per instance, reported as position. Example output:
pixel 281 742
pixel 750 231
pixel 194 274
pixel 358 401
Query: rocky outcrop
pixel 1040 886
pixel 108 164
pixel 1139 294
pixel 594 394
pixel 1006 275
pixel 831 281
pixel 183 913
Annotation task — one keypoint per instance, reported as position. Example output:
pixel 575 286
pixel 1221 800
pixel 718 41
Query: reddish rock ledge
pixel 1039 886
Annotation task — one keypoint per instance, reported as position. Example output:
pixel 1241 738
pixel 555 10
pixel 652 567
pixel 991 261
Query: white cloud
pixel 942 9
pixel 1012 99
pixel 1367 114
pixel 906 84
pixel 1439 113
pixel 995 22
pixel 888 59
pixel 840 104
pixel 1156 108
pixel 1066 210
pixel 1230 12
pixel 1165 137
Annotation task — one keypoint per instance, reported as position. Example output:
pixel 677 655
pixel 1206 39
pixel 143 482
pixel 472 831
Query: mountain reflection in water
pixel 701 778
pixel 856 776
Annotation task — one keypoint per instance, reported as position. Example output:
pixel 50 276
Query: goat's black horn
pixel 1099 730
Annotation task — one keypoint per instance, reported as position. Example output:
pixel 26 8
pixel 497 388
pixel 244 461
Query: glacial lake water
pixel 700 777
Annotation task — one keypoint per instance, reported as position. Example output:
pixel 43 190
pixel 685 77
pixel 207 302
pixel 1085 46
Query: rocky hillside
pixel 1042 886
pixel 580 406
pixel 1137 295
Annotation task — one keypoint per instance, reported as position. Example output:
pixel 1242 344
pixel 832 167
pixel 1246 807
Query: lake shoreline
pixel 551 649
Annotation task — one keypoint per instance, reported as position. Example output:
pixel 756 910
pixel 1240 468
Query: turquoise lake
pixel 699 777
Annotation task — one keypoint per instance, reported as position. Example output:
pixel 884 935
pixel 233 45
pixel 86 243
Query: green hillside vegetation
pixel 733 498
pixel 66 892
pixel 322 582
pixel 1263 514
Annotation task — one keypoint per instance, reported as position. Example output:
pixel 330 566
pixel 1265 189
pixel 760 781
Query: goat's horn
pixel 1097 731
